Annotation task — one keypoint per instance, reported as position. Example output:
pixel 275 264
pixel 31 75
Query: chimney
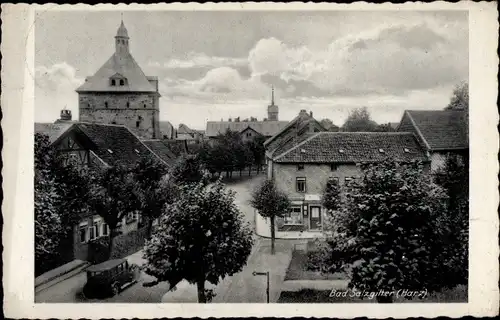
pixel 311 113
pixel 303 112
pixel 66 115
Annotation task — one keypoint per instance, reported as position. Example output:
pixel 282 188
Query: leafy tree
pixel 153 189
pixel 331 195
pixel 454 178
pixel 359 120
pixel 256 146
pixel 389 231
pixel 187 169
pixel 460 98
pixel 270 203
pixel 202 237
pixel 112 196
pixel 48 227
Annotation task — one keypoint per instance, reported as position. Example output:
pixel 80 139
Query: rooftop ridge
pixel 102 124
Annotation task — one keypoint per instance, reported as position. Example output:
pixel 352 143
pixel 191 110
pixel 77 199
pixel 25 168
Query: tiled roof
pixel 266 128
pixel 354 147
pixel 292 132
pixel 161 150
pixel 113 144
pixel 52 130
pixel 124 65
pixel 441 129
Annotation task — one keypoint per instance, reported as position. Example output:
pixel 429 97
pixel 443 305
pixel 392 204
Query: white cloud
pixel 197 59
pixel 54 90
pixel 390 59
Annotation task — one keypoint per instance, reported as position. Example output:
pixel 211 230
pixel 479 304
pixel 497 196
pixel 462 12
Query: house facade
pixel 442 133
pixel 302 170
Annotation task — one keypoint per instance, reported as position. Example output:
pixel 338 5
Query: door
pixel 315 218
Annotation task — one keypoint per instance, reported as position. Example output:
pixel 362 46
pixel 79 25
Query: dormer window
pixel 117 80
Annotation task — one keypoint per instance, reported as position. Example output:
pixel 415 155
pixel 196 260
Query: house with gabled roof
pixel 301 167
pixel 102 145
pixel 105 145
pixel 442 133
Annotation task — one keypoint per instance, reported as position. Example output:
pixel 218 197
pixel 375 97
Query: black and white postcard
pixel 197 160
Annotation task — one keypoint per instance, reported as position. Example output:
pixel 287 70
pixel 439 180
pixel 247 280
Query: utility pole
pixel 255 273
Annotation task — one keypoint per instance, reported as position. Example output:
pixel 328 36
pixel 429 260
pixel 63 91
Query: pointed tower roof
pixel 122 31
pixel 123 64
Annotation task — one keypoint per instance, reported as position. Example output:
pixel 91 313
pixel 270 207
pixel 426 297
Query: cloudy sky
pixel 214 65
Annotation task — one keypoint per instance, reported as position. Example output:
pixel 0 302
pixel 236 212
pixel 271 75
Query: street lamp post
pixel 256 273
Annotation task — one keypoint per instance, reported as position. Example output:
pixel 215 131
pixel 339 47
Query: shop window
pixel 301 185
pixel 294 216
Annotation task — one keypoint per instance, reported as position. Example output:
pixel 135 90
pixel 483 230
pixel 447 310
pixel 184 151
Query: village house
pixel 190 136
pixel 249 128
pixel 442 133
pixel 303 157
pixel 104 145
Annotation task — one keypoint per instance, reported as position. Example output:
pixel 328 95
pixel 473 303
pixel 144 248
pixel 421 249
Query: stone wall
pixel 138 111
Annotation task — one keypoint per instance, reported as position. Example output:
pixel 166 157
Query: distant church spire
pixel 272 109
pixel 272 95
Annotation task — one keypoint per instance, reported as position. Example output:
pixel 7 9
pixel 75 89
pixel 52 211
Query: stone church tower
pixel 272 109
pixel 120 93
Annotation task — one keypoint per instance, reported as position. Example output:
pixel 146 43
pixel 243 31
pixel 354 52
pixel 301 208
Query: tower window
pixel 144 105
pixel 128 104
pixel 106 104
pixel 122 82
pixel 137 124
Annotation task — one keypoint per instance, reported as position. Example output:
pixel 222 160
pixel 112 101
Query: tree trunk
pixel 150 227
pixel 112 233
pixel 200 283
pixel 383 299
pixel 273 235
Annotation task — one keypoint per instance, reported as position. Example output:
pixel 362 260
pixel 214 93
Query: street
pixel 242 287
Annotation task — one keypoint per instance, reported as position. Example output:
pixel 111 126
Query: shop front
pixel 303 221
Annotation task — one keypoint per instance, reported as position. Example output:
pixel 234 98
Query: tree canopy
pixel 270 202
pixel 112 196
pixel 390 230
pixel 359 120
pixel 201 237
pixel 460 98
